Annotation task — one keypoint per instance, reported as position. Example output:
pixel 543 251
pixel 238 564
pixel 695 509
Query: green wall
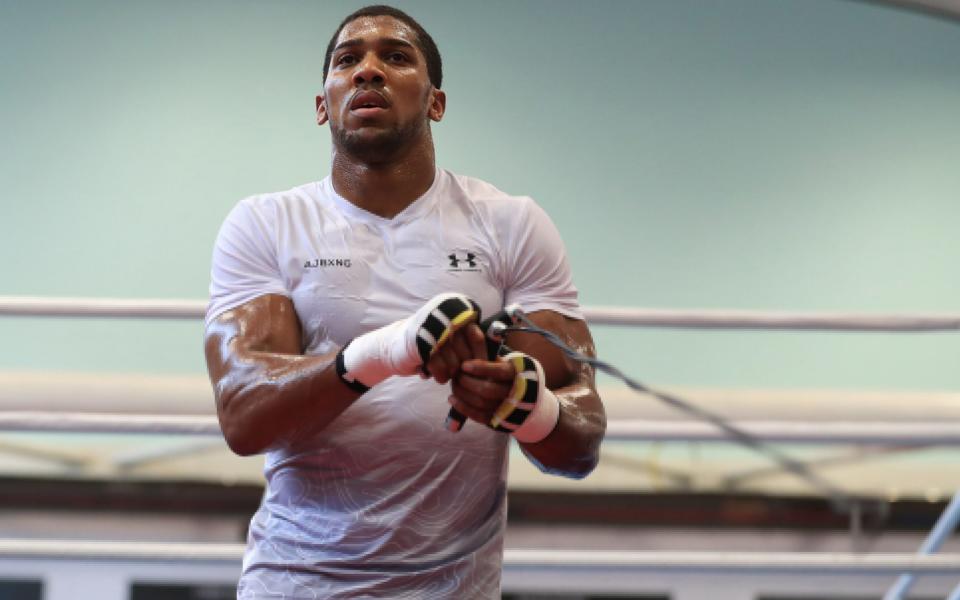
pixel 752 154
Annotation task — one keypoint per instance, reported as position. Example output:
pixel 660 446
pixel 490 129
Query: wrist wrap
pixel 531 411
pixel 345 377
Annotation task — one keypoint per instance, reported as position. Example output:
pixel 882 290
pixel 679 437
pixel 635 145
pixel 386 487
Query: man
pixel 327 302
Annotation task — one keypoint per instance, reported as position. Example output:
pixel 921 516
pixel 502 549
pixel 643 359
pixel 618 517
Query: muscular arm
pixel 573 448
pixel 267 392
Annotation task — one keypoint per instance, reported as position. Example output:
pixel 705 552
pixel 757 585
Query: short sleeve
pixel 244 259
pixel 538 272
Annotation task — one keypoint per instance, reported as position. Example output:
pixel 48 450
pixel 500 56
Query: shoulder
pixel 273 204
pixel 266 212
pixel 490 201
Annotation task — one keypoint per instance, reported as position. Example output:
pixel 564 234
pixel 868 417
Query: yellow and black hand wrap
pixel 531 411
pixel 452 311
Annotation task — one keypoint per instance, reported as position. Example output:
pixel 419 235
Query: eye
pixel 346 59
pixel 397 57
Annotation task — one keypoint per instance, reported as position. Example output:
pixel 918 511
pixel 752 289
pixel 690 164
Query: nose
pixel 369 70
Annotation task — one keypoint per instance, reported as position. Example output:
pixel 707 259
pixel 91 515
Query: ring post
pixel 955 594
pixel 941 531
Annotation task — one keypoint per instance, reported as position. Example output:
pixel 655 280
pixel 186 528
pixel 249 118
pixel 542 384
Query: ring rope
pixel 841 500
pixel 773 562
pixel 35 306
pixel 794 432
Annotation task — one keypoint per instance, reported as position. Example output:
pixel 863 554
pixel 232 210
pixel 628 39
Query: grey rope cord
pixel 840 499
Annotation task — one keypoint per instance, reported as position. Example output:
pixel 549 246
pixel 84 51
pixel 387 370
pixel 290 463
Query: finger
pixel 471 399
pixel 476 341
pixel 460 347
pixel 493 392
pixel 474 414
pixel 442 366
pixel 497 370
pixel 451 364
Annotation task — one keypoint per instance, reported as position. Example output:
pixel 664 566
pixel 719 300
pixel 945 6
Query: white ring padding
pixel 635 430
pixel 774 562
pixel 34 306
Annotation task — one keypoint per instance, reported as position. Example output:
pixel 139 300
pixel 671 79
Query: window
pixel 21 589
pixel 196 591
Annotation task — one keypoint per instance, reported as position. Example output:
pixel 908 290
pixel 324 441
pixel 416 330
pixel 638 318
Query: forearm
pixel 572 449
pixel 273 398
pixel 563 430
pixel 269 394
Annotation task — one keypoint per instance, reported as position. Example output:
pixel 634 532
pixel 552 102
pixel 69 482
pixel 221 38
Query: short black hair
pixel 424 42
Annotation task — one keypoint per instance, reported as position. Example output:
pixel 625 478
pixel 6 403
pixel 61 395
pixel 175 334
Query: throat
pixel 384 191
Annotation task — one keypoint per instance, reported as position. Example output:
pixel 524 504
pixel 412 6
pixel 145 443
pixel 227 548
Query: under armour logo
pixel 471 260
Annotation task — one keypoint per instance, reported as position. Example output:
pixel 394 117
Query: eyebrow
pixel 386 41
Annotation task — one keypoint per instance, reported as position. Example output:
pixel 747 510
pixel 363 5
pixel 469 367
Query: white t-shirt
pixel 385 502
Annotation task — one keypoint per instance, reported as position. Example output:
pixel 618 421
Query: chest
pixel 349 277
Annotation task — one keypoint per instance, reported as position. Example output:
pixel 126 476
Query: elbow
pixel 585 467
pixel 573 457
pixel 586 460
pixel 574 470
pixel 238 426
pixel 578 469
pixel 241 444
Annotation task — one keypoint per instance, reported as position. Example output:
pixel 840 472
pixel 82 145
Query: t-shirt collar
pixel 414 210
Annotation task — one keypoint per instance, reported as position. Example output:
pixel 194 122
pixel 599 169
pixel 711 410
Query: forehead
pixel 371 29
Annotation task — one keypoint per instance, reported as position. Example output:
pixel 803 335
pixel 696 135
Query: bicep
pixel 266 324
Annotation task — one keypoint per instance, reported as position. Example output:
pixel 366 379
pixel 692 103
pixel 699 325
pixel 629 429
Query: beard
pixel 377 146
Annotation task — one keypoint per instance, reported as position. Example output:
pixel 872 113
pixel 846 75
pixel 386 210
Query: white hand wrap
pixel 531 411
pixel 404 347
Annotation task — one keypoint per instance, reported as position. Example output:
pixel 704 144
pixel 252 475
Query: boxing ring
pixel 533 570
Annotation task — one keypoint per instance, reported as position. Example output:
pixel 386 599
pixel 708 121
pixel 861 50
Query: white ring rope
pixel 108 423
pixel 773 562
pixel 793 432
pixel 742 319
pixel 776 562
pixel 789 432
pixel 31 306
pixel 35 306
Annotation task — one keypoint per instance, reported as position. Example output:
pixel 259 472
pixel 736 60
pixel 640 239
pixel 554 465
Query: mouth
pixel 368 104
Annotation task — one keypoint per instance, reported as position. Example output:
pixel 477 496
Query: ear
pixel 321 111
pixel 438 104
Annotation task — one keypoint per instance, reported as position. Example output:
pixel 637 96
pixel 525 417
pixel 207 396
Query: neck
pixel 384 188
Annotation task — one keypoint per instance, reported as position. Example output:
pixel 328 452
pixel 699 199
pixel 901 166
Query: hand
pixel 509 395
pixel 463 344
pixel 481 387
pixel 428 339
